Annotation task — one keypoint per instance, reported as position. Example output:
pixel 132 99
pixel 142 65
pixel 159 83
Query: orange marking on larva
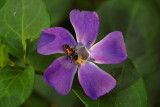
pixel 68 51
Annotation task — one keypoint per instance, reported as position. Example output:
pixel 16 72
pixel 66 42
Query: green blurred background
pixel 138 20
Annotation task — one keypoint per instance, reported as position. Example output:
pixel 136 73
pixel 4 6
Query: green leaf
pixel 133 96
pixel 4 59
pixel 16 86
pixel 21 21
pixel 2 2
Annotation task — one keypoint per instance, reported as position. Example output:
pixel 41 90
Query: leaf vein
pixel 9 26
pixel 6 89
pixel 34 18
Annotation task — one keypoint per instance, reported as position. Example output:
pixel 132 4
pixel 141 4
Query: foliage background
pixel 21 67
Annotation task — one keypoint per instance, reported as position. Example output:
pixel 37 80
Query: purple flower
pixel 94 81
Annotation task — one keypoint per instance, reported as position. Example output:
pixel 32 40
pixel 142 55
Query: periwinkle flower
pixel 110 50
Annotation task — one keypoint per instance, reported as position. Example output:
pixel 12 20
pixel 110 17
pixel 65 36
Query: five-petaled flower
pixel 110 50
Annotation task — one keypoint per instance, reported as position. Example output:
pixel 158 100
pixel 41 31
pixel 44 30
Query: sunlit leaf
pixel 16 86
pixel 22 20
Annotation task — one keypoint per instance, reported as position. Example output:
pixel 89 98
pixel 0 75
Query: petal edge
pixel 94 81
pixel 110 50
pixel 52 40
pixel 86 25
pixel 60 75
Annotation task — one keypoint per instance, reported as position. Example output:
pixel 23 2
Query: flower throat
pixel 78 55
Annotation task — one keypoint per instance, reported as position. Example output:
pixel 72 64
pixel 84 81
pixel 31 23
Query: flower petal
pixel 86 25
pixel 52 40
pixel 110 50
pixel 60 74
pixel 95 82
